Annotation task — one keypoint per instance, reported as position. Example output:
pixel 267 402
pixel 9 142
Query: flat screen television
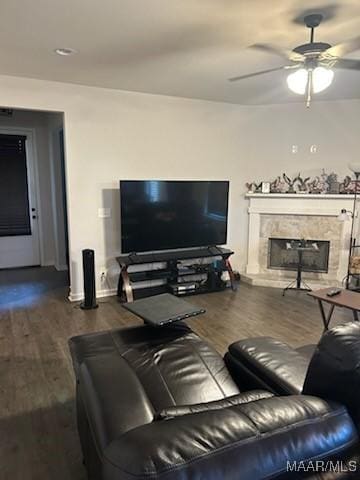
pixel 165 215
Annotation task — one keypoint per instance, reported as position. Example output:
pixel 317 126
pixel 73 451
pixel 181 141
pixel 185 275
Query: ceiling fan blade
pixel 347 64
pixel 274 50
pixel 255 74
pixel 344 48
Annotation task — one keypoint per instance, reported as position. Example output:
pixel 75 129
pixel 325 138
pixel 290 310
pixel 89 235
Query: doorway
pixel 19 229
pixel 33 216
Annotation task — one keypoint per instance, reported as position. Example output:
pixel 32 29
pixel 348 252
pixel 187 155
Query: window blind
pixel 14 199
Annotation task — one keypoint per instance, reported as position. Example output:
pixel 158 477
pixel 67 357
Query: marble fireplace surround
pixel 297 216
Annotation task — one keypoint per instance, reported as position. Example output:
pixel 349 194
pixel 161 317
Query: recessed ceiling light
pixel 65 52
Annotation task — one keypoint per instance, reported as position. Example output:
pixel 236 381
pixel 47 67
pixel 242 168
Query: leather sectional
pixel 162 404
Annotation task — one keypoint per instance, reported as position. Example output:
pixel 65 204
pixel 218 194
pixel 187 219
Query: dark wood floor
pixel 38 439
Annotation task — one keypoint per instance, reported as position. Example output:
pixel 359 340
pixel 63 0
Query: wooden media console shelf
pixel 172 274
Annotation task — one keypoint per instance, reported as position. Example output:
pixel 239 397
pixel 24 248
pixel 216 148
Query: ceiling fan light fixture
pixel 297 81
pixel 322 79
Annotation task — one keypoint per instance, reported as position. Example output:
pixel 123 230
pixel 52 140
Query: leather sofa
pixel 329 370
pixel 161 404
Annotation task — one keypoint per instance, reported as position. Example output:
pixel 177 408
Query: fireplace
pixel 280 257
pixel 294 216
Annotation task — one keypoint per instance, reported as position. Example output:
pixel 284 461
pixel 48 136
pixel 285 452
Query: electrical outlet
pixel 103 275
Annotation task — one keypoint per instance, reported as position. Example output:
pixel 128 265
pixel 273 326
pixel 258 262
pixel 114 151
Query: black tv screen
pixel 164 215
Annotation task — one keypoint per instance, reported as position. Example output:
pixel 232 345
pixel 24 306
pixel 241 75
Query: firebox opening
pixel 282 258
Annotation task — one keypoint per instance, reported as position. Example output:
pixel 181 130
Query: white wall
pixel 112 135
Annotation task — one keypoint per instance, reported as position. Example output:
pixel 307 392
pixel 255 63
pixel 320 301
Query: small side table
pixel 345 299
pixel 161 310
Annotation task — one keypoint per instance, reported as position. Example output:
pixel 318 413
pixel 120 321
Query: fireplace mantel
pixel 298 203
pixel 296 212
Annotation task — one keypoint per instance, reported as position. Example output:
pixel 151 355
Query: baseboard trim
pixel 48 263
pixel 61 268
pixel 108 292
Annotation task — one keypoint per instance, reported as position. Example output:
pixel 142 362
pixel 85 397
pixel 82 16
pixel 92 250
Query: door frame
pixel 54 136
pixel 32 157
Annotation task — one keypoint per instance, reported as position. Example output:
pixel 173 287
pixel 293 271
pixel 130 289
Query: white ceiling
pixel 186 48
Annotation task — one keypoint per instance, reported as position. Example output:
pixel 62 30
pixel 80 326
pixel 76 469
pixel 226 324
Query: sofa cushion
pixel 177 370
pixel 247 441
pixel 239 399
pixel 272 364
pixel 126 375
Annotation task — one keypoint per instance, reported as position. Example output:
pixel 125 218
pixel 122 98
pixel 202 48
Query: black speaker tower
pixel 89 280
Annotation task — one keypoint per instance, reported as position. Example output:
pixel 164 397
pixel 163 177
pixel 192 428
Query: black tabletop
pixel 163 309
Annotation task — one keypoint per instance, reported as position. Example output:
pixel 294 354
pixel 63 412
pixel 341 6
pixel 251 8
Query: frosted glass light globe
pixel 297 81
pixel 321 79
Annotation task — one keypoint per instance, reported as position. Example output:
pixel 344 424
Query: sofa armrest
pixel 101 382
pixel 250 441
pixel 334 371
pixel 264 362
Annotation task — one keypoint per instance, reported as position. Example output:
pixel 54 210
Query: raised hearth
pixel 297 216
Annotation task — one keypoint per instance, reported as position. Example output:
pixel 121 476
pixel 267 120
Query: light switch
pixel 104 212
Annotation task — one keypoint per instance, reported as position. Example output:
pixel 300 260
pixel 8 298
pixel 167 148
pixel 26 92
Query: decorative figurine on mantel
pixel 290 182
pixel 319 184
pixel 278 186
pixel 348 185
pixel 345 185
pixel 302 184
pixel 322 184
pixel 314 185
pixel 334 184
pixel 253 187
pixel 275 186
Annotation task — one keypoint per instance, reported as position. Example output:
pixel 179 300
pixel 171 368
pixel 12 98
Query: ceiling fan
pixel 312 62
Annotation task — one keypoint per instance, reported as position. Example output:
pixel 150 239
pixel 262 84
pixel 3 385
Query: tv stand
pixel 172 273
